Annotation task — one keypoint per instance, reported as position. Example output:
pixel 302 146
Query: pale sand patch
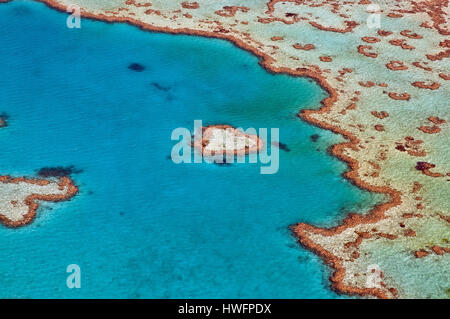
pixel 223 139
pixel 19 197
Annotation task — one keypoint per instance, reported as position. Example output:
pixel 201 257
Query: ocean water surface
pixel 142 226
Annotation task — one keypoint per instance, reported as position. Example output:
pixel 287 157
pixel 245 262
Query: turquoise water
pixel 142 226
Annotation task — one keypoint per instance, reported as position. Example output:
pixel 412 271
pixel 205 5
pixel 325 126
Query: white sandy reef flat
pixel 19 197
pixel 224 139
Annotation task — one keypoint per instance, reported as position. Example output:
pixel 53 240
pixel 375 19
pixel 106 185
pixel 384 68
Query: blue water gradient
pixel 142 226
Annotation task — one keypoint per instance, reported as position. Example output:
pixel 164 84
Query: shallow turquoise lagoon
pixel 142 226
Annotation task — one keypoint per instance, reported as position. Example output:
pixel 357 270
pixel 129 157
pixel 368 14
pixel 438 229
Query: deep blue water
pixel 141 225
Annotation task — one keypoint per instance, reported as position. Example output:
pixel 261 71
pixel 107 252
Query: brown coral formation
pixel 421 66
pixel 394 15
pixel 190 5
pixel 350 25
pixel 411 146
pixel 430 129
pixel 436 120
pixel 425 168
pixel 421 253
pixel 370 39
pixel 363 50
pixel 367 84
pixel 276 38
pixel 136 4
pixel 384 33
pixel 401 43
pixel 438 56
pixel 429 86
pixel 433 249
pixel 230 11
pixel 380 115
pixel 433 129
pixel 325 58
pixel 410 34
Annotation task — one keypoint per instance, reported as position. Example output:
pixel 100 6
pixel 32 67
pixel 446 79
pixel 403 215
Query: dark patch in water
pixel 315 137
pixel 58 171
pixel 222 164
pixel 160 87
pixel 136 67
pixel 281 146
